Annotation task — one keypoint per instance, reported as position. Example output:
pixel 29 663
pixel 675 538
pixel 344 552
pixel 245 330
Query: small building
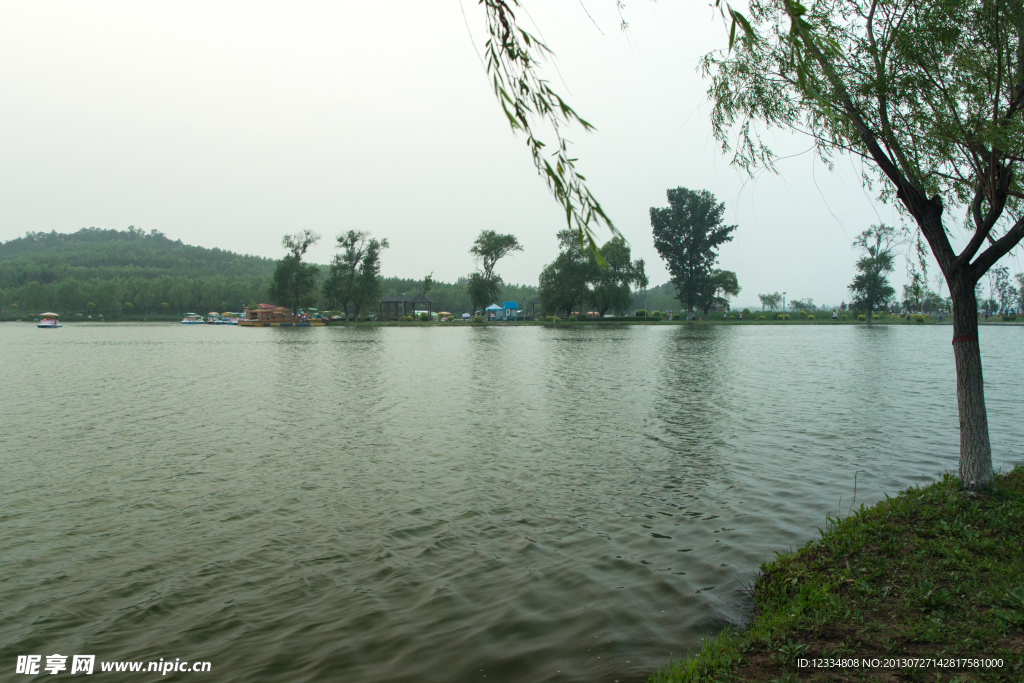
pixel 397 307
pixel 265 313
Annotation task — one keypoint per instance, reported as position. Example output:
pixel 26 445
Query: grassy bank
pixel 932 573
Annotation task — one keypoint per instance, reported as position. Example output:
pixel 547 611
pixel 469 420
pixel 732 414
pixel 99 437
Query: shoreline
pixel 560 323
pixel 925 586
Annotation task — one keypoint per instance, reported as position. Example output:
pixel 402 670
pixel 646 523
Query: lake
pixel 436 503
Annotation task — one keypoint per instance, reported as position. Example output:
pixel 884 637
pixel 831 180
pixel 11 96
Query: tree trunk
pixel 975 449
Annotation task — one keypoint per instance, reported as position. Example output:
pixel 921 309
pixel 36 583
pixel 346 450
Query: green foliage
pixel 641 313
pixel 802 314
pixel 424 317
pixel 96 269
pixel 783 316
pixel 687 235
pixel 760 317
pixel 577 277
pixel 549 318
pixel 935 568
pixel 353 280
pixel 294 282
pixel 810 317
pixel 770 301
pixel 478 319
pixel 656 315
pixel 746 311
pixel 876 317
pixel 843 316
pixel 484 284
pixel 919 318
pixel 861 317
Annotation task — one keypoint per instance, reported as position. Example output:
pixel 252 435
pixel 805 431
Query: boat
pixel 193 319
pixel 48 320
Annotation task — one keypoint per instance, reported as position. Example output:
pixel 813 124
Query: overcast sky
pixel 228 124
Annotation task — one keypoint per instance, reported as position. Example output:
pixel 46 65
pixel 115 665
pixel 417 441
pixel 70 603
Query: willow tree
pixel 929 94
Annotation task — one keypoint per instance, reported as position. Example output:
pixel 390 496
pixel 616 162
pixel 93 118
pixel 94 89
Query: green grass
pixel 933 572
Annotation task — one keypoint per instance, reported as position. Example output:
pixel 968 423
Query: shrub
pixel 656 315
pixel 549 319
pixel 760 317
pixel 478 319
pixel 572 317
pixel 861 317
pixel 876 317
pixel 641 313
pixel 843 316
pixel 1010 318
pixel 919 318
pixel 780 316
pixel 802 314
pixel 424 317
pixel 745 311
pixel 810 317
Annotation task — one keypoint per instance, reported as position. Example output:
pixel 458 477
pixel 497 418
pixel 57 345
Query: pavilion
pixel 397 307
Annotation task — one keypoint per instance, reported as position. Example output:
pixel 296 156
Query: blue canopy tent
pixel 493 309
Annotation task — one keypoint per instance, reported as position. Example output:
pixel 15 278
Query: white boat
pixel 48 320
pixel 193 319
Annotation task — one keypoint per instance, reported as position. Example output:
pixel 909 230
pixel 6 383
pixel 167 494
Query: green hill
pixel 111 268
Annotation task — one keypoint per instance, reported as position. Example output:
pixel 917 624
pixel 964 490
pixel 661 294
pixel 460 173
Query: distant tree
pixel 294 282
pixel 717 289
pixel 481 290
pixel 368 283
pixel 564 283
pixel 688 234
pixel 342 282
pixel 870 286
pixel 165 306
pixel 90 305
pixel 1020 292
pixel 999 284
pixel 128 306
pixel 612 283
pixel 428 282
pixel 490 247
pixel 770 301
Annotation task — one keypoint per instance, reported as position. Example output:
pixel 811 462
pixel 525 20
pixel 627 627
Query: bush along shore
pixel 926 586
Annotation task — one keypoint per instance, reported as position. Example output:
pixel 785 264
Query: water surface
pixel 444 504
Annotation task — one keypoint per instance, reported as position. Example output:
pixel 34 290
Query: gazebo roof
pixel 494 307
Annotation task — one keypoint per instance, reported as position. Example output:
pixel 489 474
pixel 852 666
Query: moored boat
pixel 193 319
pixel 48 320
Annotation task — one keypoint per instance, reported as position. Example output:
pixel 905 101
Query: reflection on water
pixel 443 504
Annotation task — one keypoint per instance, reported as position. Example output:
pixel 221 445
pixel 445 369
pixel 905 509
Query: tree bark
pixel 975 450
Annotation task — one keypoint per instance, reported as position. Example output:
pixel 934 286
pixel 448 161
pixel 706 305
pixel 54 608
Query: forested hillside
pixel 103 270
pixel 100 271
